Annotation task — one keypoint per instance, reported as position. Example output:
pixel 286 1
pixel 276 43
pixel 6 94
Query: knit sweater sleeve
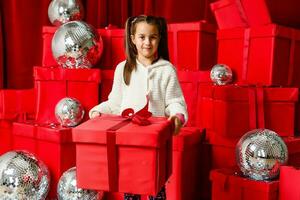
pixel 113 104
pixel 174 99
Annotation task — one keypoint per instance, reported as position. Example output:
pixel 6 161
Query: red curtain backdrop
pixel 21 24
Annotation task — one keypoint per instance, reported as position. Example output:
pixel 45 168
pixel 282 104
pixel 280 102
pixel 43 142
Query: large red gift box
pixel 192 45
pixel 50 143
pixel 289 181
pixel 235 110
pixel 53 84
pixel 186 178
pixel 245 13
pixel 227 184
pixel 123 156
pixel 264 55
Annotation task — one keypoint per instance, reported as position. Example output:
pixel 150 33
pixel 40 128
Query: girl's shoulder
pixel 120 67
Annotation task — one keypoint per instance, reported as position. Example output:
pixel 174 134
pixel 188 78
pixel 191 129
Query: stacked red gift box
pixel 260 46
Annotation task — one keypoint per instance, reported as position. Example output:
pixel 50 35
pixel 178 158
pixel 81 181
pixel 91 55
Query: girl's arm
pixel 175 102
pixel 113 104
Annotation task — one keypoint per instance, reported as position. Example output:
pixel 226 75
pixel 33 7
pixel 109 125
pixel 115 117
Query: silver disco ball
pixel 260 153
pixel 23 177
pixel 76 45
pixel 221 74
pixel 69 112
pixel 67 188
pixel 63 11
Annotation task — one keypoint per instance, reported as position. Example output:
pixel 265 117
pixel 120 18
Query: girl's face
pixel 146 40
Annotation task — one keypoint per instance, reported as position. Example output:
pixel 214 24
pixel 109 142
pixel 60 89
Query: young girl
pixel 146 74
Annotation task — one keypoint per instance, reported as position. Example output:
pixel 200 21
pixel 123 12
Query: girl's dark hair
pixel 130 49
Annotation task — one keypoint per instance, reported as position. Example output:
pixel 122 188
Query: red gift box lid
pixel 241 93
pixel 24 129
pixel 57 73
pixel 232 176
pixel 201 25
pixel 270 30
pixel 55 134
pixel 94 131
pixel 188 136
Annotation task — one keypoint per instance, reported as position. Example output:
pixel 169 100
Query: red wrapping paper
pixel 53 84
pixel 237 109
pixel 119 146
pixel 192 45
pixel 228 185
pixel 263 55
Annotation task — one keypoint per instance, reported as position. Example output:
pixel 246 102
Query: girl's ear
pixel 132 39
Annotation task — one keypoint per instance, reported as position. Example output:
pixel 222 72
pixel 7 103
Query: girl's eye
pixel 142 37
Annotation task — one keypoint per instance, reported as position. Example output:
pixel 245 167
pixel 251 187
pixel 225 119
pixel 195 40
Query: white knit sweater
pixel 158 80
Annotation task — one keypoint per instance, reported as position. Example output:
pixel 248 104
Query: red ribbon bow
pixel 140 117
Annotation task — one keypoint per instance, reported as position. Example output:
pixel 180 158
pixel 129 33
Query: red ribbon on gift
pixel 140 118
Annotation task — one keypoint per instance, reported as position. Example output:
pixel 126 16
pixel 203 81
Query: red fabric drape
pixel 22 22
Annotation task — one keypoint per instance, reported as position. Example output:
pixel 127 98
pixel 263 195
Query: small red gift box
pixel 245 13
pixel 192 45
pixel 236 110
pixel 16 105
pixel 221 148
pixel 50 143
pixel 264 55
pixel 289 181
pixel 186 178
pixel 123 156
pixel 113 51
pixel 227 184
pixel 53 84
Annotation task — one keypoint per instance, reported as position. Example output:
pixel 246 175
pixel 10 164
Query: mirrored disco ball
pixel 67 188
pixel 76 45
pixel 260 153
pixel 23 177
pixel 69 112
pixel 63 11
pixel 221 74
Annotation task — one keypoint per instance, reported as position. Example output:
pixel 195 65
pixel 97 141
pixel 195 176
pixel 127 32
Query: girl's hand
pixel 177 122
pixel 95 114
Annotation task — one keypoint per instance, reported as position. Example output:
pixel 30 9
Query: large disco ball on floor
pixel 67 188
pixel 23 177
pixel 221 74
pixel 63 11
pixel 260 153
pixel 76 45
pixel 69 112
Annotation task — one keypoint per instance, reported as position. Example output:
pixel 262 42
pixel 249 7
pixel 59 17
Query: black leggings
pixel 160 196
